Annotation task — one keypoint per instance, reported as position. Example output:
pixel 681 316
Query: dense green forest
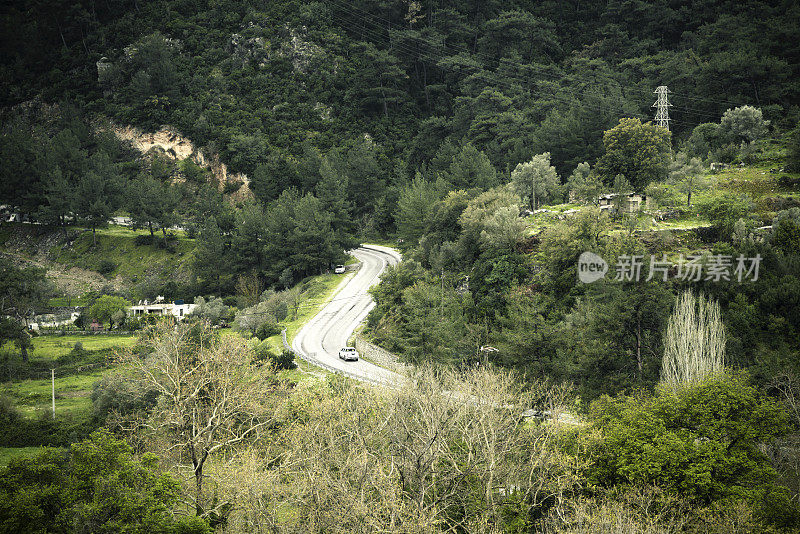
pixel 349 101
pixel 494 144
pixel 265 84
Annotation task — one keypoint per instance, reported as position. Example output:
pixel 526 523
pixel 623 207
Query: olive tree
pixel 583 185
pixel 687 173
pixel 745 123
pixel 536 181
pixel 212 310
pixel 106 308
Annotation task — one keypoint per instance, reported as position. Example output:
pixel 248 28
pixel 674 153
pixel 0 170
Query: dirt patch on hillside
pixel 32 243
pixel 77 281
pixel 172 144
pixel 73 281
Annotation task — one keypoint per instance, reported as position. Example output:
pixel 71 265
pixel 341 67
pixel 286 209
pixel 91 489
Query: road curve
pixel 320 339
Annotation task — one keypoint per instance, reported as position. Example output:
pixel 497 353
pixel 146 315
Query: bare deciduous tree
pixel 635 510
pixel 211 397
pixel 782 452
pixel 443 453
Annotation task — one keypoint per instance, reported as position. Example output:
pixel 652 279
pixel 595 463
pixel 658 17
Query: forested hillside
pixel 265 82
pixel 430 122
pixel 347 101
pixel 561 251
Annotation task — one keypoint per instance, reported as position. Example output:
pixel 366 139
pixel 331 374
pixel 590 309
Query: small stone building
pixel 622 202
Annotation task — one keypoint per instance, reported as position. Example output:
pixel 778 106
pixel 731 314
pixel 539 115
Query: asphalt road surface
pixel 319 340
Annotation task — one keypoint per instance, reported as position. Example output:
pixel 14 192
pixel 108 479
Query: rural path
pixel 320 339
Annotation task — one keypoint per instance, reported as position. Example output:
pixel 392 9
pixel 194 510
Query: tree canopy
pixel 638 151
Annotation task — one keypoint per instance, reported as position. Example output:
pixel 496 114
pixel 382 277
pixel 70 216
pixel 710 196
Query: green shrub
pixel 137 323
pixel 784 180
pixel 106 267
pixel 725 154
pixel 285 360
pixel 700 442
pixel 267 330
pixel 281 311
pixel 724 210
pixel 11 423
pixel 42 431
pixel 787 237
pixel 793 156
pixel 99 486
pixel 113 393
pixel 231 187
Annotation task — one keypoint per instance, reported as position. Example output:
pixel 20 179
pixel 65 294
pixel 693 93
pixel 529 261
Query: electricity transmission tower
pixel 662 105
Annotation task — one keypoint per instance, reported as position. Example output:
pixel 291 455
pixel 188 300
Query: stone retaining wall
pixel 378 355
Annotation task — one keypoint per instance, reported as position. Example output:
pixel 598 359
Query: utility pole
pixel 662 106
pixel 53 385
pixel 441 298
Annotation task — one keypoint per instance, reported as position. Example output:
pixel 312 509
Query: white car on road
pixel 348 354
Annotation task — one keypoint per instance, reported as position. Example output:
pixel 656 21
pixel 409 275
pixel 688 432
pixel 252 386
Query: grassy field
pixel 51 347
pixel 33 397
pixel 9 453
pixel 117 244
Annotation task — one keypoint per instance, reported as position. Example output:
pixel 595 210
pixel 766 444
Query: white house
pixel 177 308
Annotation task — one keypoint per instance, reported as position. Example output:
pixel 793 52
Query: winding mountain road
pixel 320 339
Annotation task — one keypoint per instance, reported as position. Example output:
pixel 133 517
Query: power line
pixel 662 105
pixel 706 99
pixel 497 82
pixel 362 14
pixel 354 10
